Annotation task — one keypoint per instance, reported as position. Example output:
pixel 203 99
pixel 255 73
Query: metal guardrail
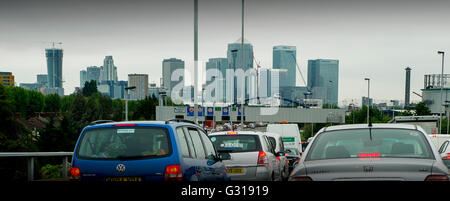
pixel 31 155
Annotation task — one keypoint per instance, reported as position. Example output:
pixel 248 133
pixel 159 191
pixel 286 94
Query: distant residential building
pixel 7 79
pixel 91 73
pixel 323 80
pixel 292 95
pixel 140 81
pixel 41 82
pixel 108 71
pixel 42 79
pixel 364 101
pixel 169 66
pixel 113 89
pixel 31 86
pixel 153 90
pixel 284 58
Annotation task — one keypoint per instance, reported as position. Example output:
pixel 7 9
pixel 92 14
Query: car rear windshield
pixel 236 143
pixel 360 143
pixel 125 143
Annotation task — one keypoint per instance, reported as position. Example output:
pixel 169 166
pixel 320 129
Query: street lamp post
pixel 368 99
pixel 127 89
pixel 442 86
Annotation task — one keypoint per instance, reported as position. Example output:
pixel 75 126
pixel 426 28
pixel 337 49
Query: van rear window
pixel 236 143
pixel 127 143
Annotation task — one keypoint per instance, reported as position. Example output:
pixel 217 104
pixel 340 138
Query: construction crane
pixel 417 94
pixel 308 90
pixel 53 43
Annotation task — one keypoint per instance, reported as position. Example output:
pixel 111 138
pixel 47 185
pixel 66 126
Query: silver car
pixel 363 153
pixel 252 156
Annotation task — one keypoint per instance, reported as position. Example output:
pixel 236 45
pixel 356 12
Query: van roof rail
pixel 100 122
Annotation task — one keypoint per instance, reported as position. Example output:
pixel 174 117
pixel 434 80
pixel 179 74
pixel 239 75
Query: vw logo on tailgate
pixel 120 168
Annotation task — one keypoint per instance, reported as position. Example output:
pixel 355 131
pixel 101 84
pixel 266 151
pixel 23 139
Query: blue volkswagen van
pixel 146 151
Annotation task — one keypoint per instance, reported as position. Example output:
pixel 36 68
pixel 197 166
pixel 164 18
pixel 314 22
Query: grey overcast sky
pixel 375 39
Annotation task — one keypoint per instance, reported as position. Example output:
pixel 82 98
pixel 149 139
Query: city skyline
pixel 367 42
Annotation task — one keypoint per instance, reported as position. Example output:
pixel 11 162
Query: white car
pixel 252 155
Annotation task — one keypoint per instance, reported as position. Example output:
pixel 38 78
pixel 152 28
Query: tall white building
pixel 108 71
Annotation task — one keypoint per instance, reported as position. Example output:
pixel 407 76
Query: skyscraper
pixel 108 71
pixel 284 58
pixel 54 70
pixel 221 64
pixel 83 78
pixel 323 80
pixel 54 67
pixel 234 55
pixel 93 73
pixel 169 66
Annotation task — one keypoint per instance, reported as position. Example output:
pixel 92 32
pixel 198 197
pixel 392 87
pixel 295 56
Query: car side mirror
pixel 224 156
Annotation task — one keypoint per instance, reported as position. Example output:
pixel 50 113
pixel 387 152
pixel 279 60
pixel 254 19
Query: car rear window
pixel 357 143
pixel 127 143
pixel 236 143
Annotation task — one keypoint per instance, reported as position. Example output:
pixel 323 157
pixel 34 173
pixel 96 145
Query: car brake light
pixel 305 178
pixel 368 155
pixel 437 178
pixel 297 160
pixel 446 158
pixel 232 132
pixel 75 173
pixel 262 158
pixel 124 124
pixel 278 157
pixel 173 173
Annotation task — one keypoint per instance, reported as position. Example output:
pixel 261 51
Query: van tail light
pixel 305 178
pixel 173 173
pixel 278 158
pixel 437 178
pixel 446 157
pixel 262 158
pixel 75 173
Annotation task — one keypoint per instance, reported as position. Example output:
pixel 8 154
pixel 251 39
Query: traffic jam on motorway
pixel 179 150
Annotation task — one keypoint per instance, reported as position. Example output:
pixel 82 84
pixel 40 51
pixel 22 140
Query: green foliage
pixel 49 171
pixel 52 103
pixel 360 116
pixel 89 88
pixel 422 109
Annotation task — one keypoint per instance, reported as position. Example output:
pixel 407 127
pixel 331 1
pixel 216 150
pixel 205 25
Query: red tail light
pixel 262 158
pixel 75 173
pixel 297 160
pixel 369 155
pixel 124 124
pixel 278 158
pixel 446 158
pixel 173 173
pixel 305 178
pixel 437 178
